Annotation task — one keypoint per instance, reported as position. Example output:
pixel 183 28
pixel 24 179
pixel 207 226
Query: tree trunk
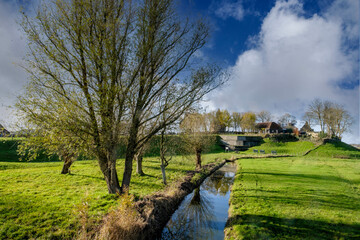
pixel 66 166
pixel 68 159
pixel 108 168
pixel 198 159
pixel 163 173
pixel 130 153
pixel 139 160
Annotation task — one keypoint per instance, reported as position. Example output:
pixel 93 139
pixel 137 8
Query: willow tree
pixel 196 136
pixel 78 53
pixel 51 143
pixel 99 68
pixel 165 45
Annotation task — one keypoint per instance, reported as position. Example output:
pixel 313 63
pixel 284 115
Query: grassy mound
pixel 292 148
pixel 336 150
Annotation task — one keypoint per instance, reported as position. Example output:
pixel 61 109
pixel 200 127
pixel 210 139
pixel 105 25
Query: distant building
pixel 3 131
pixel 306 128
pixel 268 127
pixel 240 142
pixel 290 128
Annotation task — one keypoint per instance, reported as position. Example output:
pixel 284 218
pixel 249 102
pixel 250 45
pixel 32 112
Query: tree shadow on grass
pixel 309 176
pixel 87 176
pixel 145 175
pixel 336 201
pixel 265 227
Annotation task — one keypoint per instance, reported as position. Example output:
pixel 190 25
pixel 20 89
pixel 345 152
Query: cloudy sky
pixel 280 54
pixel 283 54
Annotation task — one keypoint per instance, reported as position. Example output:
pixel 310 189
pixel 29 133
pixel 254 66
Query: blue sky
pixel 281 54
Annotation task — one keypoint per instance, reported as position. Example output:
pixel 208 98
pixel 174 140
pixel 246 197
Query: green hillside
pixel 315 196
pixel 336 150
pixel 287 148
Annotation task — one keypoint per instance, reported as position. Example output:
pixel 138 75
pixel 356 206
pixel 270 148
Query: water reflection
pixel 194 217
pixel 203 213
pixel 220 182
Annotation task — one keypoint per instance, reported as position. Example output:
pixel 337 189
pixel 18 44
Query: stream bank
pixel 156 210
pixel 204 212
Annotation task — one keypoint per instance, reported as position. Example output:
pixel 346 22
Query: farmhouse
pixel 268 127
pixel 3 131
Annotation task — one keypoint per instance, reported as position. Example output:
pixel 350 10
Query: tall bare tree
pixel 263 116
pixel 309 117
pixel 287 120
pixel 165 44
pixel 110 62
pixel 332 118
pixel 316 109
pixel 337 120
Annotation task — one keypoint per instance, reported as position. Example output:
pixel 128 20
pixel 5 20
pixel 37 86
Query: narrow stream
pixel 203 213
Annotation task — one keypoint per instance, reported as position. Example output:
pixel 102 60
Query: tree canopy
pixel 102 69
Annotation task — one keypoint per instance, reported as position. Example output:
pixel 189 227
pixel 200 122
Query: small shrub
pixel 323 135
pixel 85 221
pixel 283 138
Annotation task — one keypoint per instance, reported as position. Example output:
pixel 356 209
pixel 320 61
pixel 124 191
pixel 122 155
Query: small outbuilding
pixel 231 142
pixel 306 128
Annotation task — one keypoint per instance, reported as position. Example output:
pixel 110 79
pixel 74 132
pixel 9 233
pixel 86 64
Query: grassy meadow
pixel 298 148
pixel 37 202
pixel 316 196
pixel 311 197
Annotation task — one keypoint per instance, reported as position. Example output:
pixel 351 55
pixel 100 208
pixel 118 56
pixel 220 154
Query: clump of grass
pixel 123 222
pixel 86 223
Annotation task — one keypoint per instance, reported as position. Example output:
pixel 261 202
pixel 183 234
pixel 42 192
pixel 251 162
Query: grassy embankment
pixel 298 148
pixel 312 197
pixel 36 201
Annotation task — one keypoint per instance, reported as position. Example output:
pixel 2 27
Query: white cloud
pixel 347 13
pixel 228 9
pixel 296 60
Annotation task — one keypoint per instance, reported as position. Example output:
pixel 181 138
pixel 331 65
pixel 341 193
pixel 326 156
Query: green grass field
pixel 36 201
pixel 311 197
pixel 283 148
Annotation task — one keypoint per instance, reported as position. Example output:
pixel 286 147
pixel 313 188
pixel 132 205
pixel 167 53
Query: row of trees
pixel 196 128
pixel 108 71
pixel 221 120
pixel 332 118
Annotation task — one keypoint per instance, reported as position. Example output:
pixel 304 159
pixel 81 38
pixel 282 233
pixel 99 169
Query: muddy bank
pixel 156 210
